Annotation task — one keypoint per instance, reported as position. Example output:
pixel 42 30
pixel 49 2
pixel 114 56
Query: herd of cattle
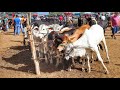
pixel 62 45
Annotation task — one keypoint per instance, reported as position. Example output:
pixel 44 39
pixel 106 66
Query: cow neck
pixel 82 41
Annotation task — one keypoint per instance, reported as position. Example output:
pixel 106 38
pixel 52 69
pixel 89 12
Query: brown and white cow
pixel 72 38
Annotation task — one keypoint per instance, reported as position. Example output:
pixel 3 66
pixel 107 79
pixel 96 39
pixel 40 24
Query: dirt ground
pixel 15 61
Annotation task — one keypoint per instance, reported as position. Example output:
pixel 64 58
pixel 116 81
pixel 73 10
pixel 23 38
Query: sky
pixel 43 13
pixel 46 13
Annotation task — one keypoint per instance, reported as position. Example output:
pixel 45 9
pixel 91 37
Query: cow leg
pixel 69 68
pixel 73 61
pixel 106 49
pixel 24 41
pixel 83 64
pixel 45 53
pixel 57 61
pixel 100 58
pixel 91 57
pixel 62 61
pixel 88 62
pixel 51 57
pixel 69 65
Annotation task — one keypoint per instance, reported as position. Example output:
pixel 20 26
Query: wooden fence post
pixel 33 49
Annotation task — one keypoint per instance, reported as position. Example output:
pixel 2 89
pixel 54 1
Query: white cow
pixel 78 52
pixel 56 27
pixel 41 34
pixel 43 29
pixel 90 39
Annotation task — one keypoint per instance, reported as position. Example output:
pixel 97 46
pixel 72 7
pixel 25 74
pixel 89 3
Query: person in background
pixel 13 22
pixel 115 24
pixel 61 19
pixel 84 20
pixel 103 17
pixel 0 24
pixel 3 25
pixel 103 22
pixel 6 23
pixel 119 21
pixel 22 24
pixel 89 20
pixel 70 22
pixel 25 27
pixel 65 20
pixel 17 23
pixel 9 23
pixel 80 22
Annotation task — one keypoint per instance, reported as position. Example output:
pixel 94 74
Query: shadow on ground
pixel 16 41
pixel 24 57
pixel 117 64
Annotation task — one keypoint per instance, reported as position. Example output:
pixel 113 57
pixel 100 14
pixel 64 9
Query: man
pixel 89 20
pixel 6 23
pixel 61 19
pixel 17 23
pixel 115 24
pixel 13 22
pixel 80 22
pixel 25 27
pixel 103 17
pixel 23 24
pixel 0 24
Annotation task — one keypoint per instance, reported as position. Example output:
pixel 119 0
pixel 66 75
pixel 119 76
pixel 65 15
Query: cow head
pixel 69 48
pixel 64 43
pixel 59 28
pixel 35 31
pixel 44 30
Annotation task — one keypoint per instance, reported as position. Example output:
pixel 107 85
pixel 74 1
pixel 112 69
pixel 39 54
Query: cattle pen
pixel 41 51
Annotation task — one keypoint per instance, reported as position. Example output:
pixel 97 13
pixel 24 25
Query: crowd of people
pixel 5 23
pixel 18 23
pixel 112 21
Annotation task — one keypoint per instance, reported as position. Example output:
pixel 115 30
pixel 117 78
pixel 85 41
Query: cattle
pixel 54 40
pixel 90 39
pixel 77 34
pixel 84 54
pixel 49 34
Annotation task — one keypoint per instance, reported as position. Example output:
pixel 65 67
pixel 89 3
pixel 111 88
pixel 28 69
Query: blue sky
pixel 43 13
pixel 46 13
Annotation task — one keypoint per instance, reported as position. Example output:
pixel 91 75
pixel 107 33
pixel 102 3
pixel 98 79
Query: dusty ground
pixel 15 61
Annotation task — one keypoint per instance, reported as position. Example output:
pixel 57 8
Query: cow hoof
pixel 83 70
pixel 87 70
pixel 107 62
pixel 70 69
pixel 62 70
pixel 106 72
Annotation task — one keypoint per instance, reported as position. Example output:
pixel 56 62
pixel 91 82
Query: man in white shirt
pixel 103 17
